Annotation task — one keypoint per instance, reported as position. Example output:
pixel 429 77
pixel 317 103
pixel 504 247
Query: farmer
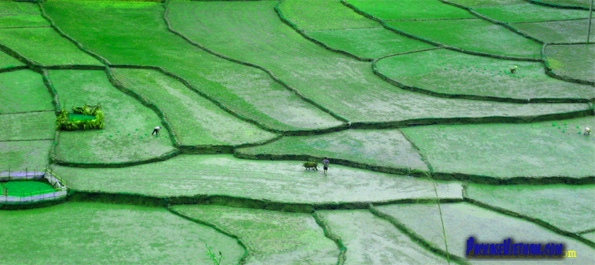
pixel 513 69
pixel 587 131
pixel 325 163
pixel 156 131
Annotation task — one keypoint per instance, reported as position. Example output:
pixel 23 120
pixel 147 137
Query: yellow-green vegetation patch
pixel 474 35
pixel 343 85
pixel 18 14
pixel 270 237
pixel 463 220
pixel 24 155
pixel 28 126
pixel 565 31
pixel 323 15
pixel 527 12
pixel 126 136
pixel 23 91
pixel 449 72
pixel 574 61
pixel 96 233
pixel 409 9
pixel 280 181
pixel 384 148
pixel 543 149
pixel 571 202
pixel 7 61
pixel 138 36
pixel 194 119
pixel 45 46
pixel 371 240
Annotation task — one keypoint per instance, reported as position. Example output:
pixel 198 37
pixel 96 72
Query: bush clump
pixel 86 117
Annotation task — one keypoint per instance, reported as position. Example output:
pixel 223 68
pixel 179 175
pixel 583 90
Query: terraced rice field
pixel 432 138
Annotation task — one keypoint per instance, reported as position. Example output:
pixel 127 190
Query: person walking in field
pixel 156 131
pixel 325 163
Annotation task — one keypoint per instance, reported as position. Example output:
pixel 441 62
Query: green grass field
pixel 426 146
pixel 368 43
pixel 484 225
pixel 28 126
pixel 194 119
pixel 376 243
pixel 24 155
pixel 6 61
pixel 44 46
pixel 128 123
pixel 569 202
pixel 480 36
pixel 483 3
pixel 314 15
pixel 566 31
pixel 340 28
pixel 545 149
pixel 20 15
pixel 23 91
pixel 85 233
pixel 343 85
pixel 527 12
pixel 271 237
pixel 371 147
pixel 572 3
pixel 448 72
pixel 278 181
pixel 589 236
pixel 410 9
pixel 574 61
pixel 142 39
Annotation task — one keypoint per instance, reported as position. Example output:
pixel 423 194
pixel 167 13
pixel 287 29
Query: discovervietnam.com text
pixel 508 249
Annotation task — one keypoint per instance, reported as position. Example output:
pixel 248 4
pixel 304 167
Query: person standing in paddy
pixel 325 163
pixel 156 131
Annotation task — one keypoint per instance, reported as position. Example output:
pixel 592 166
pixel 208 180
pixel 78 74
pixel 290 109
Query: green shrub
pixel 65 122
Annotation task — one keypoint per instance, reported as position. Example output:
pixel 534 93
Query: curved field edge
pixel 194 120
pixel 332 86
pixel 266 124
pixel 369 239
pixel 570 201
pixel 303 241
pixel 574 70
pixel 131 233
pixel 199 177
pixel 462 220
pixel 378 150
pixel 510 151
pixel 436 43
pixel 125 137
pixel 536 221
pixel 267 71
pixel 459 77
